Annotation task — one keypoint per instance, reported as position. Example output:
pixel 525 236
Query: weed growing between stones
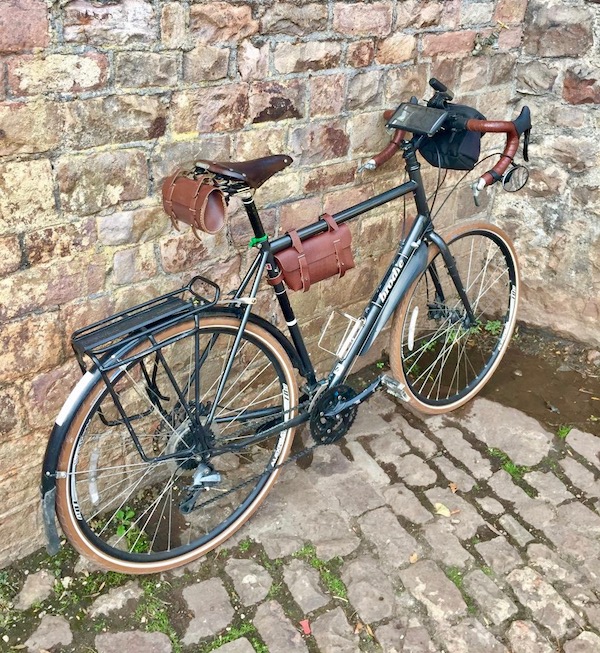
pixel 563 431
pixel 516 471
pixel 8 590
pixel 152 613
pixel 456 576
pixel 235 632
pixel 244 545
pixel 328 571
pixel 272 566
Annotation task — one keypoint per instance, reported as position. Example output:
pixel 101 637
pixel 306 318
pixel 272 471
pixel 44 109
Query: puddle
pixel 549 380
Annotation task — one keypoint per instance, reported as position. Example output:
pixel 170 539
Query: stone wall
pixel 101 99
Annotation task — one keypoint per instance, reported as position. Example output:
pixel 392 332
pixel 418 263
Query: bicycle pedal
pixel 393 387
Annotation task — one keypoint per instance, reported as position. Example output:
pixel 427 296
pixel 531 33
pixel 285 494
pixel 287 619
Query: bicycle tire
pixel 125 514
pixel 442 364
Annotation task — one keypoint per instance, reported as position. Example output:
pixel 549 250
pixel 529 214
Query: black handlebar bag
pixel 451 147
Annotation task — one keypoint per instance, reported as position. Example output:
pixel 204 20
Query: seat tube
pixel 280 291
pixel 290 317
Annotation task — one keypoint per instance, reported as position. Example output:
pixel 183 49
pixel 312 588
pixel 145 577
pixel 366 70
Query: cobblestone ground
pixel 470 533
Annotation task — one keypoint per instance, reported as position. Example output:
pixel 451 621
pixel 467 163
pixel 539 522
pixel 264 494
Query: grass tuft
pixel 328 571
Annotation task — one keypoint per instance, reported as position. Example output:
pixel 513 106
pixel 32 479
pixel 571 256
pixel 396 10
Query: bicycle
pixel 177 431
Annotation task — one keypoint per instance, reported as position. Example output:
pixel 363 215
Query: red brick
pixel 215 22
pixel 298 214
pixel 360 54
pixel 327 95
pixel 23 25
pixel 129 21
pixel 448 43
pixel 363 20
pixel 64 73
pixel 510 11
pixel 582 86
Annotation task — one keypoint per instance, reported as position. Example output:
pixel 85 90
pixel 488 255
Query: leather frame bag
pixel 317 258
pixel 197 202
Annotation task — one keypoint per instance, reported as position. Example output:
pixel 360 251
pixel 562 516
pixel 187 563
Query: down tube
pixel 377 313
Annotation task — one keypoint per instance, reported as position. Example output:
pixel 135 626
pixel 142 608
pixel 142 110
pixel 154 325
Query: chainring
pixel 326 430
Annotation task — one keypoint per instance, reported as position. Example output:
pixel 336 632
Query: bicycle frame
pixel 409 262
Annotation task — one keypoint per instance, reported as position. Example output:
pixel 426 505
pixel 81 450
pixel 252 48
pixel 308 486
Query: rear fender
pixel 71 405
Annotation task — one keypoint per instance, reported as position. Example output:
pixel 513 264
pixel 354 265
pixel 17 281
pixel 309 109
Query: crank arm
pixel 355 401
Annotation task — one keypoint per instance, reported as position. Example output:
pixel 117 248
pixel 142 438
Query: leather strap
pixel 169 200
pixel 304 271
pixel 333 227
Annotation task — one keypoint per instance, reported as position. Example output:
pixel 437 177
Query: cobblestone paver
pixel 410 536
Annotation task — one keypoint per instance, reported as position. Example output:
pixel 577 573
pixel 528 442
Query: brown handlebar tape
pixel 510 149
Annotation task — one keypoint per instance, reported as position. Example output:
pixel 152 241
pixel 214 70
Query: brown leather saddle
pixel 254 173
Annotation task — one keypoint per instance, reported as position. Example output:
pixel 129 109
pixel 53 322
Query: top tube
pixel 283 242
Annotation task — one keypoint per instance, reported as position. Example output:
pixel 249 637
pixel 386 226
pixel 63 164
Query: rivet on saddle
pixel 254 173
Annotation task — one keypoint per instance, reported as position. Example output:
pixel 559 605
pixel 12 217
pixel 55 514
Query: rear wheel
pixel 182 488
pixel 441 359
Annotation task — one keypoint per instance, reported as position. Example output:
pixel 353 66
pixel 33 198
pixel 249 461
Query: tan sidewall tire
pixel 396 333
pixel 64 510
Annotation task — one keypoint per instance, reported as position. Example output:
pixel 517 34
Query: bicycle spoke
pixel 442 358
pixel 160 510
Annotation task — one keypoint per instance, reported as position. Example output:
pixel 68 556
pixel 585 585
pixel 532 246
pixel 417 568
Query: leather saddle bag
pixel 195 201
pixel 317 258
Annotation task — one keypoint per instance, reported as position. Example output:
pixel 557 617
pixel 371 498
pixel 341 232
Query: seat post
pixel 253 216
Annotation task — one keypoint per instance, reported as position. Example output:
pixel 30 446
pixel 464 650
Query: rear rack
pixel 108 342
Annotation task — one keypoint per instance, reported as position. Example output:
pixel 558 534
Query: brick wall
pixel 100 100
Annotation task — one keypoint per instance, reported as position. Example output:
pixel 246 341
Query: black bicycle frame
pixel 409 262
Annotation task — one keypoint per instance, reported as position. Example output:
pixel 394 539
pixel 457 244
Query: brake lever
pixel 476 188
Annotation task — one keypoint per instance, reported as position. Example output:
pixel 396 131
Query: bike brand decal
pixel 389 284
pixel 286 402
pixel 76 509
pixel 74 500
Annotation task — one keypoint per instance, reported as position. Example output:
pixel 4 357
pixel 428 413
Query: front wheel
pixel 181 473
pixel 440 357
